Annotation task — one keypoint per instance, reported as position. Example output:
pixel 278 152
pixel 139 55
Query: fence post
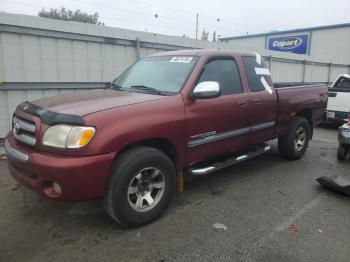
pixel 137 48
pixel 304 71
pixel 329 72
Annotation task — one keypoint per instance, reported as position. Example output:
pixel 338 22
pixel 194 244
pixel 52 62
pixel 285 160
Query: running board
pixel 212 166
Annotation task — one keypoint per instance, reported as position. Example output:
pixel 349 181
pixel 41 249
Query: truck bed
pixel 301 97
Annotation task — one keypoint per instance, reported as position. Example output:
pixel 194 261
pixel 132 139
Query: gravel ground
pixel 265 209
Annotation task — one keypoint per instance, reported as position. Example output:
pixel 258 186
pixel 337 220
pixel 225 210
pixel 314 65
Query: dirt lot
pixel 273 210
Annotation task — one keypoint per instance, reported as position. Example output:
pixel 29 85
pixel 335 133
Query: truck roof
pixel 203 52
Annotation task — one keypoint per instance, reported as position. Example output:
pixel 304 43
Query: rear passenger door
pixel 219 125
pixel 263 99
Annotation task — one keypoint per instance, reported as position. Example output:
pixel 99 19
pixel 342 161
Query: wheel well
pixel 307 114
pixel 161 144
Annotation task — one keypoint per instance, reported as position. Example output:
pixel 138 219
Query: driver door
pixel 219 125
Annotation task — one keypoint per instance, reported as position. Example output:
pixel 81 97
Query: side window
pixel 254 79
pixel 345 83
pixel 225 72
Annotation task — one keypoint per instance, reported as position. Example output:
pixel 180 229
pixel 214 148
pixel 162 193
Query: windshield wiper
pixel 115 86
pixel 148 89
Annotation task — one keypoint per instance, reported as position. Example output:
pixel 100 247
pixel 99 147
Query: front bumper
pixel 80 178
pixel 335 116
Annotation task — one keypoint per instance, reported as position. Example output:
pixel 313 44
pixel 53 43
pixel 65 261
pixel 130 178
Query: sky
pixel 227 18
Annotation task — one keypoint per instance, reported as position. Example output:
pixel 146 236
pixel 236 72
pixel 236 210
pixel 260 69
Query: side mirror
pixel 206 90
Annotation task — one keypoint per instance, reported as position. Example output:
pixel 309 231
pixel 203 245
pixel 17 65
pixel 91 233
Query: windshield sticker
pixel 181 59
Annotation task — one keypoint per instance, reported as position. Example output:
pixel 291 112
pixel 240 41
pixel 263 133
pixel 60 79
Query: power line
pixel 186 29
pixel 168 17
pixel 105 17
pixel 193 13
pixel 128 10
pixel 144 13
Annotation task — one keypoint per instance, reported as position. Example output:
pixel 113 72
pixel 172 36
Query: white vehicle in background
pixel 338 108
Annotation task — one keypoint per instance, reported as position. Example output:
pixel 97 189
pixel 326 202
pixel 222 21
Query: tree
pixel 205 35
pixel 214 37
pixel 69 15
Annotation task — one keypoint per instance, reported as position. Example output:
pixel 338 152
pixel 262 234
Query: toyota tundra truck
pixel 168 117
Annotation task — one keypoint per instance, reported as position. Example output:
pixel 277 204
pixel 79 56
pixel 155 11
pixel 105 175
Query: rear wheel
pixel 342 152
pixel 293 145
pixel 141 185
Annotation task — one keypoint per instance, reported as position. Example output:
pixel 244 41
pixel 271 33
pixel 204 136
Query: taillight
pixel 349 120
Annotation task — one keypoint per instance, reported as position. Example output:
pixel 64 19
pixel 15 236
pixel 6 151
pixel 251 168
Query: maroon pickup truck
pixel 168 116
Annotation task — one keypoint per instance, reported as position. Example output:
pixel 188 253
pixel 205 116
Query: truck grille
pixel 24 131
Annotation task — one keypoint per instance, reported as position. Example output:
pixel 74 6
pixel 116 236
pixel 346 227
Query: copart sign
pixel 297 44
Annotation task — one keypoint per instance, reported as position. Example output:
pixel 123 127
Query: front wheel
pixel 293 145
pixel 140 187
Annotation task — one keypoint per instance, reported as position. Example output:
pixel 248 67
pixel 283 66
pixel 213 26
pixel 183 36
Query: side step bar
pixel 215 165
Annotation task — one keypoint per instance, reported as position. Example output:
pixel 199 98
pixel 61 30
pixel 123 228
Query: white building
pixel 327 44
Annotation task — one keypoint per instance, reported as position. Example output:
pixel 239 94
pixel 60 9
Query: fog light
pixel 52 189
pixel 57 188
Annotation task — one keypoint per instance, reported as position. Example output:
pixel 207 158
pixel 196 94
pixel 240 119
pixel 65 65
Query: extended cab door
pixel 263 99
pixel 218 125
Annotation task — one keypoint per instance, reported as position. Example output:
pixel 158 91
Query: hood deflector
pixel 50 117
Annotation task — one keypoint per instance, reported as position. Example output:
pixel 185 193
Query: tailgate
pixel 338 101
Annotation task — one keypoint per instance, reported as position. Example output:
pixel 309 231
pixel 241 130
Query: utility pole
pixel 197 27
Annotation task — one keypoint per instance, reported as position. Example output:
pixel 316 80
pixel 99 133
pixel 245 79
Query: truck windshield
pixel 158 75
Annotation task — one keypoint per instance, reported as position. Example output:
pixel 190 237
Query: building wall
pixel 331 45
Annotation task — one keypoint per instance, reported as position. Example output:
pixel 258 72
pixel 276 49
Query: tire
pixel 291 146
pixel 342 152
pixel 127 198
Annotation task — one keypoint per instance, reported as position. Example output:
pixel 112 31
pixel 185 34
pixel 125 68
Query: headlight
pixel 65 136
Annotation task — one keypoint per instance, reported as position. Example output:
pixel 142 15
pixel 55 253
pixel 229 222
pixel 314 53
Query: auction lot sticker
pixel 181 59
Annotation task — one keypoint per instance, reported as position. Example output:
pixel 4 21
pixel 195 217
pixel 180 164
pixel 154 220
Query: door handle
pixel 242 103
pixel 257 101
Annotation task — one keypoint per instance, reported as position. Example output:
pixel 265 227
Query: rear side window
pixel 345 83
pixel 254 79
pixel 225 72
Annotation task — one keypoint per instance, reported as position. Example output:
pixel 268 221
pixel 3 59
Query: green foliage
pixel 69 15
pixel 205 35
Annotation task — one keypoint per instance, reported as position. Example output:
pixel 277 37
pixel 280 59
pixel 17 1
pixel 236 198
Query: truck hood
pixel 87 102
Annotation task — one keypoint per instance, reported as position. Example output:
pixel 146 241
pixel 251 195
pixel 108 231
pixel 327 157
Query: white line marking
pixel 266 85
pixel 291 220
pixel 262 71
pixel 324 140
pixel 264 241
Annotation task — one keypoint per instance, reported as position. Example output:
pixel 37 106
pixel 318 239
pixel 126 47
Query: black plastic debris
pixel 336 183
